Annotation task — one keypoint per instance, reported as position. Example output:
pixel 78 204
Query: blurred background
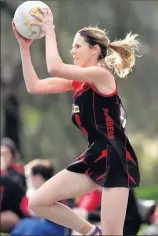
pixel 40 125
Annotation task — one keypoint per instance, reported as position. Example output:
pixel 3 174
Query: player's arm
pixel 56 67
pixel 36 86
pixel 51 85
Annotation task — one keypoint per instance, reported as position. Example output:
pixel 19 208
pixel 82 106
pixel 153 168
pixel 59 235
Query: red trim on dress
pixel 77 117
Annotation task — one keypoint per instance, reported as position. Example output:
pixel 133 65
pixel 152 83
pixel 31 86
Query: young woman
pixel 109 161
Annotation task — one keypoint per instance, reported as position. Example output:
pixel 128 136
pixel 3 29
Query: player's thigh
pixel 64 185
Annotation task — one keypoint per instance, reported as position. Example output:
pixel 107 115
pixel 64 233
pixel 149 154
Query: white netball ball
pixel 23 19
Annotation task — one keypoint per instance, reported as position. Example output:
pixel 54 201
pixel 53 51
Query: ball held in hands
pixel 27 19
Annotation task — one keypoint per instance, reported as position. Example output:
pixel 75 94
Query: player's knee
pixel 34 202
pixel 37 201
pixel 31 203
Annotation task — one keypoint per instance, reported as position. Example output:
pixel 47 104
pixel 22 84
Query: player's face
pixel 81 51
pixel 6 157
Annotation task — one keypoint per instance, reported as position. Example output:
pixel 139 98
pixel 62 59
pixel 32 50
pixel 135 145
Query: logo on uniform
pixel 75 108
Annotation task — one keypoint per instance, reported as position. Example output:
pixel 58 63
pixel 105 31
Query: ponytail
pixel 121 55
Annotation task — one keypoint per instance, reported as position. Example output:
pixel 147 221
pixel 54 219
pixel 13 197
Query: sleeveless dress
pixel 109 160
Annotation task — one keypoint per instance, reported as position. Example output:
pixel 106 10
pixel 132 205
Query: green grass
pixel 148 192
pixel 141 229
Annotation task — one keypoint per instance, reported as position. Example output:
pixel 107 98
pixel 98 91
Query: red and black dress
pixel 110 160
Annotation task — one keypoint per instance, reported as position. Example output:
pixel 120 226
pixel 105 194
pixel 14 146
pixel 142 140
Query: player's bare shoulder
pixel 106 82
pixel 103 75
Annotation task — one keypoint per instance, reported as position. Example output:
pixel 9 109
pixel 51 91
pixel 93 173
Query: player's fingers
pixel 14 28
pixel 17 35
pixel 44 11
pixel 38 17
pixel 49 11
pixel 13 25
pixel 35 23
pixel 41 10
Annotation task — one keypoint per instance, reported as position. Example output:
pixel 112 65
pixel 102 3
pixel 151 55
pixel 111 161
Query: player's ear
pixel 96 49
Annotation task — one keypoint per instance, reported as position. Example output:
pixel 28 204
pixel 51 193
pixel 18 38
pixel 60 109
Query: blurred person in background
pixel 153 228
pixel 90 201
pixel 109 161
pixel 12 185
pixel 40 172
pixel 10 162
pixel 29 167
pixel 11 196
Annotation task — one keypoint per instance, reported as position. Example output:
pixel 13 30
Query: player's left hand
pixel 23 42
pixel 45 20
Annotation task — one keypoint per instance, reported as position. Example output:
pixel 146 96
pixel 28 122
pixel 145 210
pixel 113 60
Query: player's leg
pixel 113 210
pixel 63 185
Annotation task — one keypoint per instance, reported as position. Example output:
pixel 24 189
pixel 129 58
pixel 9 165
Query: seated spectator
pixel 12 185
pixel 90 201
pixel 33 225
pixel 10 165
pixel 11 195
